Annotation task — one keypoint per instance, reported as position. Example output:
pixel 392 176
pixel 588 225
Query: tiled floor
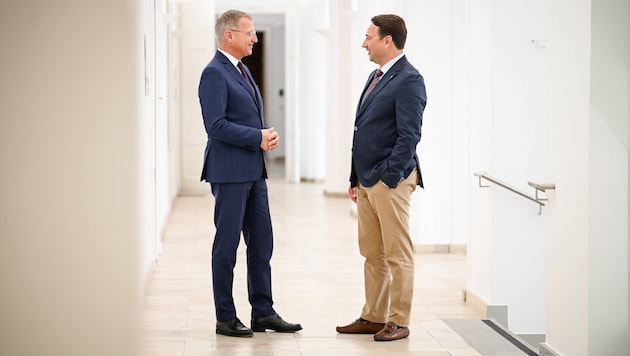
pixel 317 279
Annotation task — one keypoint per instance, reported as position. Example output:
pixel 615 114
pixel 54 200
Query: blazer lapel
pixel 239 77
pixel 391 73
pixel 255 94
pixel 230 68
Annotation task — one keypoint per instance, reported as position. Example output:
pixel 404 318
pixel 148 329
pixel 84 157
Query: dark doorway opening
pixel 255 62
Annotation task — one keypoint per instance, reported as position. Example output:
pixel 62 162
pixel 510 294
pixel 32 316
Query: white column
pixel 341 107
pixel 587 220
pixel 480 209
pixel 508 117
pixel 198 46
pixel 567 215
pixel 609 169
pixel 71 213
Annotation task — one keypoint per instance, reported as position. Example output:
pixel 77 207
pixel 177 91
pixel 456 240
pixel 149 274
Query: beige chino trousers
pixel 384 241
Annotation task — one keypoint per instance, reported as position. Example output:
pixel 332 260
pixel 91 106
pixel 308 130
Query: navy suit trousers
pixel 242 207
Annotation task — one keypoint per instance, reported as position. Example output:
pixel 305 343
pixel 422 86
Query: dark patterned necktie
pixel 242 68
pixel 377 77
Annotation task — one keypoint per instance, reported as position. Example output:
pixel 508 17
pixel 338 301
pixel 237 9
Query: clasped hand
pixel 270 139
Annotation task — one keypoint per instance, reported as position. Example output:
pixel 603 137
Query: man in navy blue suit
pixel 234 165
pixel 384 173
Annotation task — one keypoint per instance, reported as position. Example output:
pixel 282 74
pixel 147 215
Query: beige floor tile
pixel 317 279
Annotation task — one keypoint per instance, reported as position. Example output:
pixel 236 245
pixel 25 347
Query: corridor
pixel 317 279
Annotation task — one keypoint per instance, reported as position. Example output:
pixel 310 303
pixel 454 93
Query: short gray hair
pixel 228 20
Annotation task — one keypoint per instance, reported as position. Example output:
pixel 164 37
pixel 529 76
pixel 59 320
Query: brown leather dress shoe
pixel 360 326
pixel 392 332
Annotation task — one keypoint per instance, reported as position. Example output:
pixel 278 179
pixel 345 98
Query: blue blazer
pixel 388 127
pixel 233 117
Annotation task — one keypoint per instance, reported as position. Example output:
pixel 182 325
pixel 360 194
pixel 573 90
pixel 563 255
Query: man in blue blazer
pixel 384 173
pixel 234 165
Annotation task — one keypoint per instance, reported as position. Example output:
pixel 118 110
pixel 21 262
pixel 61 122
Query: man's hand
pixel 270 139
pixel 352 192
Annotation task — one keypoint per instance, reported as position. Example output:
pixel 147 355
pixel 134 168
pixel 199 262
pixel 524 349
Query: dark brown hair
pixel 391 25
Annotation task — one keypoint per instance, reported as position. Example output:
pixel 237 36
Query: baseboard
pixel 534 340
pixel 488 311
pixel 440 248
pixel 425 249
pixel 499 314
pixel 146 280
pixel 546 350
pixel 515 339
pixel 477 302
pixel 330 194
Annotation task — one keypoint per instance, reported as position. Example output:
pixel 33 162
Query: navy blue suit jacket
pixel 233 118
pixel 388 127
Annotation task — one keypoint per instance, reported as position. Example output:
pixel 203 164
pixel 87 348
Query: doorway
pixel 255 62
pixel 267 65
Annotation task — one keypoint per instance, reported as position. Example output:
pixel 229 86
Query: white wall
pixel 609 246
pixel 340 108
pixel 480 247
pixel 567 229
pixel 500 101
pixel 318 132
pixel 587 227
pixel 167 144
pixel 507 93
pixel 72 220
pixel 197 45
pixel 313 68
pixel 429 47
pixel 299 80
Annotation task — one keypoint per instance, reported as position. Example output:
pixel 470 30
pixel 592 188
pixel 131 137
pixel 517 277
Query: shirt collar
pixel 230 57
pixel 391 63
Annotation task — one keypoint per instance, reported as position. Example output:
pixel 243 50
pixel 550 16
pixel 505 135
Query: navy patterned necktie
pixel 377 77
pixel 242 68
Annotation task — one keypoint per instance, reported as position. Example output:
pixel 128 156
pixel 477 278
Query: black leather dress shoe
pixel 233 327
pixel 275 323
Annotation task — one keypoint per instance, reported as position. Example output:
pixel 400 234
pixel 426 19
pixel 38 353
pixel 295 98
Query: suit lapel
pixel 391 73
pixel 230 68
pixel 256 94
pixel 239 78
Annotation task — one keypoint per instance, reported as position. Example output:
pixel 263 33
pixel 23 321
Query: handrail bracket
pixel 541 187
pixel 481 185
pixel 537 188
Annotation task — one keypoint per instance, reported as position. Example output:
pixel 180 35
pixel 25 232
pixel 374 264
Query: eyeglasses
pixel 249 33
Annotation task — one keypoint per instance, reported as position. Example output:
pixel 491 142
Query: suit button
pixel 355 128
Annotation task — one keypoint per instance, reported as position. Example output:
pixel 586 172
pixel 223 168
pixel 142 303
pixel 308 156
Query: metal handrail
pixel 542 187
pixel 536 186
